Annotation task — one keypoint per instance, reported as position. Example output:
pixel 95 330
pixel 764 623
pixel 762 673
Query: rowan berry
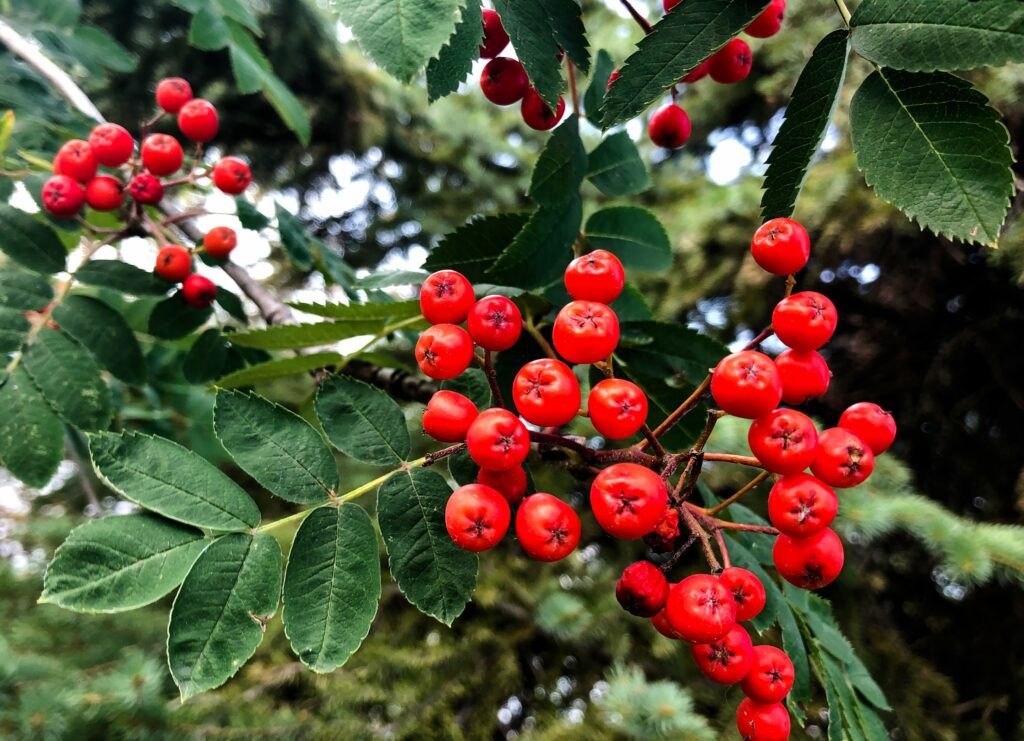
pixel 497 440
pixel 546 393
pixel 503 81
pixel 231 175
pixel 62 196
pixel 642 589
pixel 585 332
pixel 843 460
pixel 104 193
pixel 173 263
pixel 800 505
pixel 700 608
pixel 161 154
pixel 784 440
pixel 628 500
pixel 661 624
pixel 448 417
pixel 746 384
pixel 758 722
pixel 669 127
pixel 477 517
pixel 146 188
pixel 769 22
pixel 198 291
pixel 494 323
pixel 446 297
pixel 731 63
pixel 669 4
pixel 746 589
pixel 805 320
pixel 727 659
pixel 595 276
pixel 872 424
pixel 617 408
pixel 198 120
pixel 220 241
pixel 809 563
pixel 443 351
pixel 536 113
pixel 616 74
pixel 172 93
pixel 771 675
pixel 511 483
pixel 548 529
pixel 495 36
pixel 697 73
pixel 111 144
pixel 781 246
pixel 804 375
pixel 76 159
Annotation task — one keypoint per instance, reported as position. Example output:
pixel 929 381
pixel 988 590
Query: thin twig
pixel 641 21
pixel 720 539
pixel 492 379
pixel 705 539
pixel 432 458
pixel 743 460
pixel 535 333
pixel 740 492
pixel 573 94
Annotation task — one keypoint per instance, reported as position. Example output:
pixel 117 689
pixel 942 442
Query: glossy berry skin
pixel 642 589
pixel 731 63
pixel 872 424
pixel 843 459
pixel 769 22
pixel 784 440
pixel 546 393
pixel 617 408
pixel 104 193
pixel 781 246
pixel 172 93
pixel 444 351
pixel 495 37
pixel 746 384
pixel 494 323
pixel 661 624
pixel 161 154
pixel 697 73
pixel 758 722
pixel 446 297
pixel 746 589
pixel 585 332
pixel 726 660
pixel 232 176
pixel 595 276
pixel 809 563
pixel 173 263
pixel 503 81
pixel 536 113
pixel 663 538
pixel 112 144
pixel 76 159
pixel 476 517
pixel 801 505
pixel 448 417
pixel 669 127
pixel 548 529
pixel 700 608
pixel 220 241
pixel 63 197
pixel 771 675
pixel 497 440
pixel 198 291
pixel 804 375
pixel 805 320
pixel 146 188
pixel 511 484
pixel 198 120
pixel 628 500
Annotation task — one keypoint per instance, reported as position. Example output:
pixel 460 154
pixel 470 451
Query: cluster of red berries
pixel 504 80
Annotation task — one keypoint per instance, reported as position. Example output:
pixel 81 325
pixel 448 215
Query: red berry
pixel 757 722
pixel 112 144
pixel 497 440
pixel 731 63
pixel 700 608
pixel 494 323
pixel 511 484
pixel 809 563
pixel 219 242
pixel 642 589
pixel 104 193
pixel 161 154
pixel 781 246
pixel 617 408
pixel 503 81
pixel 804 374
pixel 805 320
pixel 769 22
pixel 843 460
pixel 663 538
pixel 612 78
pixel 536 113
pixel 446 297
pixel 726 660
pixel 698 73
pixel 198 291
pixel 746 589
pixel 784 440
pixel 585 332
pixel 173 263
pixel 628 500
pixel 669 127
pixel 76 160
pixel 231 175
pixel 801 505
pixel 669 4
pixel 546 393
pixel 444 351
pixel 172 93
pixel 746 384
pixel 448 416
pixel 495 37
pixel 198 120
pixel 547 527
pixel 477 517
pixel 872 424
pixel 63 197
pixel 596 276
pixel 146 188
pixel 771 675
pixel 661 624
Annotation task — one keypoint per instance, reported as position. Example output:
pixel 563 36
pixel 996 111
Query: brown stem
pixel 641 21
pixel 492 379
pixel 546 438
pixel 682 410
pixel 659 449
pixel 536 334
pixel 432 458
pixel 720 539
pixel 749 486
pixel 705 539
pixel 790 284
pixel 743 527
pixel 743 460
pixel 573 94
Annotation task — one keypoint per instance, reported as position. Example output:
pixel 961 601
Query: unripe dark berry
pixel 546 393
pixel 444 351
pixel 198 120
pixel 503 81
pixel 146 188
pixel 769 22
pixel 784 440
pixel 446 297
pixel 595 276
pixel 497 440
pixel 872 424
pixel 585 332
pixel 231 175
pixel 448 417
pixel 801 505
pixel 804 375
pixel 198 291
pixel 495 37
pixel 731 63
pixel 172 93
pixel 62 196
pixel 781 246
pixel 495 323
pixel 536 113
pixel 112 144
pixel 669 127
pixel 161 154
pixel 665 535
pixel 746 384
pixel 548 529
pixel 758 722
pixel 805 320
pixel 746 589
pixel 76 159
pixel 726 660
pixel 173 263
pixel 476 517
pixel 700 608
pixel 220 241
pixel 617 408
pixel 511 483
pixel 843 459
pixel 628 500
pixel 104 193
pixel 809 563
pixel 642 589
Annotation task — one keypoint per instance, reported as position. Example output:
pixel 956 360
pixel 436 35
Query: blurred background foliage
pixel 930 329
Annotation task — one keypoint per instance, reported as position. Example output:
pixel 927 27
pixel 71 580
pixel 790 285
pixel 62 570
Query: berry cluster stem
pixel 740 493
pixel 641 21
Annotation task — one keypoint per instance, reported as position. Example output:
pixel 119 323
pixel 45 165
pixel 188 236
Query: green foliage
pixel 362 421
pixel 561 167
pixel 641 709
pixel 68 378
pixel 632 234
pixel 472 248
pixel 293 238
pixel 23 291
pixel 172 318
pixel 615 167
pixel 536 44
pixel 604 65
pixel 206 358
pixel 455 60
pixel 473 385
pixel 31 436
pixel 30 242
pixel 289 336
pixel 279 368
pixel 539 253
pixel 122 277
pixel 105 333
pixel 357 312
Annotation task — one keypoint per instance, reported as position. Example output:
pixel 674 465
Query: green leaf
pixel 472 384
pixel 631 306
pixel 290 336
pixel 249 216
pixel 172 318
pixel 808 114
pixel 360 312
pixel 632 234
pixel 462 468
pixel 238 11
pixel 105 333
pixel 473 247
pixel 332 586
pixel 221 610
pixel 280 368
pixel 69 379
pixel 120 563
pixel 21 291
pixel 30 242
pixel 680 41
pixel 293 238
pixel 362 421
pixel 31 437
pixel 532 33
pixel 391 278
pixel 539 253
pixel 615 166
pixel 206 358
pixel 923 36
pixel 288 107
pixel 433 573
pixel 455 61
pixel 594 97
pixel 930 144
pixel 121 277
pixel 566 18
pixel 232 304
pixel 14 329
pixel 166 478
pixel 208 30
pixel 275 446
pixel 95 43
pixel 561 167
pixel 668 348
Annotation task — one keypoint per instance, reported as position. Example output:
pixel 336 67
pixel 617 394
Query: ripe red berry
pixel 698 73
pixel 446 297
pixel 746 384
pixel 661 624
pixel 585 332
pixel 746 589
pixel 444 351
pixel 628 500
pixel 546 393
pixel 146 188
pixel 111 144
pixel 536 113
pixel 663 538
pixel 494 323
pixel 726 660
pixel 104 193
pixel 843 459
pixel 617 408
pixel 669 127
pixel 771 675
pixel 809 563
pixel 804 375
pixel 495 37
pixel 511 484
pixel 805 320
pixel 231 175
pixel 448 416
pixel 669 4
pixel 497 440
pixel 477 517
pixel 63 197
pixel 76 159
pixel 731 63
pixel 596 276
pixel 642 589
pixel 872 424
pixel 781 246
pixel 758 722
pixel 161 154
pixel 172 93
pixel 769 22
pixel 173 263
pixel 220 241
pixel 503 81
pixel 616 74
pixel 198 121
pixel 801 505
pixel 198 291
pixel 784 440
pixel 548 528
pixel 700 608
